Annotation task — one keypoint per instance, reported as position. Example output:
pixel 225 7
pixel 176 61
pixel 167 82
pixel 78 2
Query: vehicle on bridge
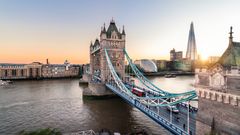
pixel 173 108
pixel 138 92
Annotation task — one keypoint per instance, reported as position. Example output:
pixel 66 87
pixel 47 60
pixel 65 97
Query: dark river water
pixel 29 105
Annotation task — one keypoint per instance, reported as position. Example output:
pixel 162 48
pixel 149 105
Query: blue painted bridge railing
pixel 150 113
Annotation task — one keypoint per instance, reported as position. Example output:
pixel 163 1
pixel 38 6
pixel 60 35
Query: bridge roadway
pixel 180 118
pixel 165 114
pixel 182 115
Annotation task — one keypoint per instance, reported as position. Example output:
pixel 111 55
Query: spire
pixel 191 48
pixel 96 42
pixel 91 44
pixel 230 37
pixel 123 31
pixel 112 27
pixel 191 26
pixel 112 21
pixel 232 54
pixel 104 28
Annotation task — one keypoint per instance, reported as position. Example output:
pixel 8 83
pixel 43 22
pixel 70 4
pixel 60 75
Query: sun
pixel 204 57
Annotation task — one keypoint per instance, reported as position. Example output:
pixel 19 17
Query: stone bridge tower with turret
pixel 112 39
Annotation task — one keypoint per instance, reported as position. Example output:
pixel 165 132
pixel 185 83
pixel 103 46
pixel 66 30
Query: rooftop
pixel 11 64
pixel 231 56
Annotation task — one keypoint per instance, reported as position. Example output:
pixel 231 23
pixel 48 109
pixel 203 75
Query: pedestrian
pixel 177 119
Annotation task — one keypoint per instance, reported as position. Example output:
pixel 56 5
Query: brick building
pixel 20 71
pixel 37 70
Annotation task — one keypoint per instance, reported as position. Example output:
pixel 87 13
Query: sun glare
pixel 204 57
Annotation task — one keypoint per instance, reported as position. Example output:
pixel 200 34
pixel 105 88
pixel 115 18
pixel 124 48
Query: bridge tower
pixel 113 40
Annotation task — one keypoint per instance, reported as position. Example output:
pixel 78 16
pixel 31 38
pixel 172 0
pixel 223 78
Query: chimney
pixel 47 61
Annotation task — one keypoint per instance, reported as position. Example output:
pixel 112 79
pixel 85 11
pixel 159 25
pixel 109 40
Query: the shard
pixel 191 48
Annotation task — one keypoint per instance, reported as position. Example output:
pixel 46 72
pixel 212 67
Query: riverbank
pixel 49 131
pixel 163 73
pixel 42 78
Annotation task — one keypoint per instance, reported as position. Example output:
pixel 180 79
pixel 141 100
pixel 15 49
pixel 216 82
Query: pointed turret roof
pixel 103 30
pixel 96 42
pixel 231 56
pixel 112 27
pixel 91 44
pixel 123 31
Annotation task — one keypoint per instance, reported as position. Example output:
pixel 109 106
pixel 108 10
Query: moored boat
pixel 3 82
pixel 170 76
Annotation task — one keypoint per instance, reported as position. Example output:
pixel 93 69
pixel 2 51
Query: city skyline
pixel 59 30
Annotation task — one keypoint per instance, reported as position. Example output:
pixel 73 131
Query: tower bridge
pixel 107 76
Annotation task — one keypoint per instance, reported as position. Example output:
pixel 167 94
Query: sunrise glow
pixel 33 31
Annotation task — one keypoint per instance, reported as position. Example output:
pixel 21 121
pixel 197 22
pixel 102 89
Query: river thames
pixel 30 105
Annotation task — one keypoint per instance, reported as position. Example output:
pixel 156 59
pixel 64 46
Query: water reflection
pixel 29 105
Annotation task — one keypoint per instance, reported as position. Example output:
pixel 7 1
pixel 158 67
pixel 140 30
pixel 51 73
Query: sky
pixel 34 30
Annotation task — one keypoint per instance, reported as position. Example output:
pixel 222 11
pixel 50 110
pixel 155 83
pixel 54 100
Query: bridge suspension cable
pixel 150 85
pixel 151 101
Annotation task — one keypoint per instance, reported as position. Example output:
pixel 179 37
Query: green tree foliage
pixel 46 131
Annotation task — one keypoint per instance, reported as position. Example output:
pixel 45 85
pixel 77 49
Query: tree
pixel 46 131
